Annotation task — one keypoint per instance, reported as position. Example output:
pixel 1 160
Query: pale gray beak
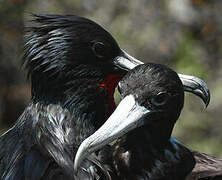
pixel 126 62
pixel 127 116
pixel 190 83
pixel 196 86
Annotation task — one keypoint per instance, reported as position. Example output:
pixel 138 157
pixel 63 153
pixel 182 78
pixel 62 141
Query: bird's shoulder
pixel 12 149
pixel 42 145
pixel 173 162
pixel 26 149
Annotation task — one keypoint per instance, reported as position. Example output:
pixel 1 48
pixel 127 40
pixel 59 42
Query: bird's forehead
pixel 141 84
pixel 150 78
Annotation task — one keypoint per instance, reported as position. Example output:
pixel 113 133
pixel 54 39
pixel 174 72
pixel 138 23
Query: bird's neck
pixel 89 99
pixel 151 154
pixel 155 136
pixel 140 149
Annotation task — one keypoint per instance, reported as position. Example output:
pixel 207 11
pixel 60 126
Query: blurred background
pixel 184 34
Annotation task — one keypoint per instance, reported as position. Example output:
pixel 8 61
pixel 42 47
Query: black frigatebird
pixel 152 100
pixel 74 66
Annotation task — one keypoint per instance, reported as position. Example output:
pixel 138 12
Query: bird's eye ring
pixel 160 99
pixel 98 49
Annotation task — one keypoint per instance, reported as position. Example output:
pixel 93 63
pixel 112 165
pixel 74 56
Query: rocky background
pixel 184 34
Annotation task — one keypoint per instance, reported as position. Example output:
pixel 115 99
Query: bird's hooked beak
pixel 127 116
pixel 196 86
pixel 190 83
pixel 126 62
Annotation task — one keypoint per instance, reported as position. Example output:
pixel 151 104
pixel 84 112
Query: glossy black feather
pixel 67 103
pixel 44 146
pixel 58 51
pixel 149 152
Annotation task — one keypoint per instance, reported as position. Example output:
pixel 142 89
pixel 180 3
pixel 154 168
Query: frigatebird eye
pixel 98 49
pixel 160 99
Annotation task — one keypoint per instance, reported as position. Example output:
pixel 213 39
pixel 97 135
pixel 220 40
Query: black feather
pixel 67 103
pixel 149 152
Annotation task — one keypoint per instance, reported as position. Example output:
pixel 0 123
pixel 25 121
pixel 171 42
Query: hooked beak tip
pixel 207 100
pixel 196 86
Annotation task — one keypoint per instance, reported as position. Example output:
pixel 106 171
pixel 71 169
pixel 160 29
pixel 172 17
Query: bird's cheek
pixel 153 118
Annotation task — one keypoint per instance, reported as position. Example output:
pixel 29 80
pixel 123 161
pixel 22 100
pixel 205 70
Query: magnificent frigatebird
pixel 152 100
pixel 74 66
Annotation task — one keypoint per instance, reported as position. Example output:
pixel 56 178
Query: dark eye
pixel 160 99
pixel 98 49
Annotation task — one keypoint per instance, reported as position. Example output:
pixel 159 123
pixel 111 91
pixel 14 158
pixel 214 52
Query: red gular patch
pixel 109 85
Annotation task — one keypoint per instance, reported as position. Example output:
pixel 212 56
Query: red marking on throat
pixel 109 85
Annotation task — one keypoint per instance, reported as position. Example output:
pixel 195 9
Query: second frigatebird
pixel 74 65
pixel 152 100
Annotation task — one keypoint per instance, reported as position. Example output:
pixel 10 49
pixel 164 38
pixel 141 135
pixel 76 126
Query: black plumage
pixel 151 153
pixel 144 82
pixel 72 63
pixel 152 100
pixel 74 66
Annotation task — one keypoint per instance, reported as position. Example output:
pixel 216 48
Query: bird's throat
pixel 109 86
pixel 88 99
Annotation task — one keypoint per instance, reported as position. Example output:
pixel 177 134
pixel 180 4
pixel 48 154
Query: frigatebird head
pixel 152 98
pixel 67 43
pixel 69 57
